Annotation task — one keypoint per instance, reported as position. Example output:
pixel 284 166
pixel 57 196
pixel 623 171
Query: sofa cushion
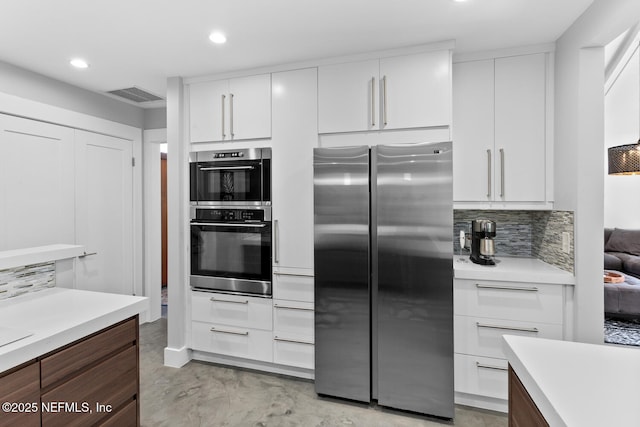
pixel 607 235
pixel 624 241
pixel 632 265
pixel 612 262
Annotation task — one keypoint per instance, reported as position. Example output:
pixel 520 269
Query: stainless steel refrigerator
pixel 384 275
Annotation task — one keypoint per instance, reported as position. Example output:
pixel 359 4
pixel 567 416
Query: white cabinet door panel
pixel 250 107
pixel 232 341
pixel 293 287
pixel 295 112
pixel 520 128
pixel 233 310
pixel 473 131
pixel 37 187
pixel 481 375
pixel 348 97
pixel 207 109
pixel 418 90
pixel 104 208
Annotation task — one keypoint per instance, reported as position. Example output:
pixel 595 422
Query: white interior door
pixel 104 213
pixel 36 183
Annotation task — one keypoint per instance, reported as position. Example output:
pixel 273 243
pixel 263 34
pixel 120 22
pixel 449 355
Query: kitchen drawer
pixel 483 376
pixel 247 343
pixel 125 417
pixel 483 336
pixel 73 359
pixel 293 318
pixel 533 302
pixel 111 382
pixel 293 352
pixel 293 287
pixel 233 310
pixel 22 385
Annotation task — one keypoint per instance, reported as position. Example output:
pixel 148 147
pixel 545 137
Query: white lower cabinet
pixel 246 343
pixel 232 325
pixel 484 311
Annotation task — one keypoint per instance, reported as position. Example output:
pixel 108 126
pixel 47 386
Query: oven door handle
pixel 222 168
pixel 226 224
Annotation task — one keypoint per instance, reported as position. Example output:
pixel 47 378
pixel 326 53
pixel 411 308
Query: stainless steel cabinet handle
pixel 489 173
pixel 508 288
pixel 507 328
pixel 228 224
pixel 231 115
pixel 87 254
pixel 373 101
pixel 384 100
pixel 224 168
pixel 223 134
pixel 277 273
pixel 502 172
pixel 277 338
pixel 213 299
pixel 497 368
pixel 276 246
pixel 223 331
pixel 292 308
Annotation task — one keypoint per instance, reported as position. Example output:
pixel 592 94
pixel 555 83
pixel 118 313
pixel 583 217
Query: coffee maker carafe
pixel 483 231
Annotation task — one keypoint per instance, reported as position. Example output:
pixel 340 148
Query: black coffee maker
pixel 483 231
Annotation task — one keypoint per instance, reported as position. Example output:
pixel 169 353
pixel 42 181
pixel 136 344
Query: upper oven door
pixel 231 250
pixel 232 182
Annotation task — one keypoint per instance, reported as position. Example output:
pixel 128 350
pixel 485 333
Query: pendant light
pixel 625 159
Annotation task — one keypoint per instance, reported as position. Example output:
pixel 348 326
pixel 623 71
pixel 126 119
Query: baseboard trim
pixel 482 402
pixel 176 357
pixel 253 364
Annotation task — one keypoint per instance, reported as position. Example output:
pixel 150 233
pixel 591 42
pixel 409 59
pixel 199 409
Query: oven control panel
pixel 229 215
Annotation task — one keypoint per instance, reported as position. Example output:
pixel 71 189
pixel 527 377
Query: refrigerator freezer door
pixel 414 278
pixel 341 266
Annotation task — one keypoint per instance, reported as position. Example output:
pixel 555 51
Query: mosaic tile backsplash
pixel 29 278
pixel 535 234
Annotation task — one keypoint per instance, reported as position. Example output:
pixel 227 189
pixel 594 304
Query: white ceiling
pixel 142 42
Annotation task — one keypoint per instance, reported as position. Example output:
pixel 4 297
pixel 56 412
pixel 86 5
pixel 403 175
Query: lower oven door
pixel 231 257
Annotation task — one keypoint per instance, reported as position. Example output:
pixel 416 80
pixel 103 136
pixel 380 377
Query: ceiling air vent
pixel 135 94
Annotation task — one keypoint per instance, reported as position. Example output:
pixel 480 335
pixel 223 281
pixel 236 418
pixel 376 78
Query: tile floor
pixel 202 394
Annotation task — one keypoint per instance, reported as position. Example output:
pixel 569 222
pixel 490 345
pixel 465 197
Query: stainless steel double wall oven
pixel 231 221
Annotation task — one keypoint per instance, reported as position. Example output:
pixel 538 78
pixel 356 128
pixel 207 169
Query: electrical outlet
pixel 566 242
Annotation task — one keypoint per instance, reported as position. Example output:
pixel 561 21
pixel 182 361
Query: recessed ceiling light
pixel 459 1
pixel 79 63
pixel 217 37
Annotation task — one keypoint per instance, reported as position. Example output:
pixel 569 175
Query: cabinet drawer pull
pixel 483 366
pixel 223 331
pixel 488 173
pixel 508 288
pixel 223 134
pixel 277 338
pixel 212 299
pixel 277 273
pixel 276 243
pixel 288 307
pixel 384 100
pixel 373 101
pixel 502 172
pixel 231 116
pixel 507 328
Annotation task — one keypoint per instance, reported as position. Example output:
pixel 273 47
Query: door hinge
pixel 133 161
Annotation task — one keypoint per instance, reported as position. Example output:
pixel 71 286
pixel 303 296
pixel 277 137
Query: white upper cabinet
pixel 520 127
pixel 233 109
pixel 500 131
pixel 401 92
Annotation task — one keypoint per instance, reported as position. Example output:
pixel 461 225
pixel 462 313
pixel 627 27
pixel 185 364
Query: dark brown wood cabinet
pixel 93 381
pixel 523 412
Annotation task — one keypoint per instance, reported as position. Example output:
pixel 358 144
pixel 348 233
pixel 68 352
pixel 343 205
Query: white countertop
pixel 515 269
pixel 56 317
pixel 27 256
pixel 576 384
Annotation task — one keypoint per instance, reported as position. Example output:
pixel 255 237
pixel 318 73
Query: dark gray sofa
pixel 622 251
pixel 622 255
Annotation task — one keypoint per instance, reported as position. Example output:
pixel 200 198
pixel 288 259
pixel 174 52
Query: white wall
pixel 621 126
pixel 36 87
pixel 579 157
